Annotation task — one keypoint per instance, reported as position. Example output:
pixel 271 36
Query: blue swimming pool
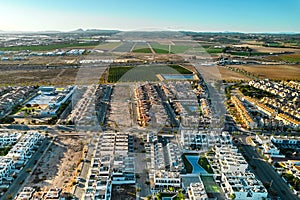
pixel 197 169
pixel 178 76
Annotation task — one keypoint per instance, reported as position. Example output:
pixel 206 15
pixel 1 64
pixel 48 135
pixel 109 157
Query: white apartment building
pixel 6 168
pixel 197 191
pixel 165 179
pixel 244 186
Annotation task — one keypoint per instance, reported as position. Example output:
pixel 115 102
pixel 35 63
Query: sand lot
pixel 60 165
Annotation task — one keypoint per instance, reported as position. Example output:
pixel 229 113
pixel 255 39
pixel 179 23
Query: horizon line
pixel 147 30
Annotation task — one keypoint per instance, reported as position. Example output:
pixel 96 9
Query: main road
pixel 265 172
pixel 23 174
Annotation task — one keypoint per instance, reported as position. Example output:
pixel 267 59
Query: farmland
pixel 160 48
pixel 291 58
pixel 125 47
pixel 142 50
pixel 141 47
pixel 108 46
pixel 49 47
pixel 278 72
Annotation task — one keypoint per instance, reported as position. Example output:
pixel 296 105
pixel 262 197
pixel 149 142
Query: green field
pixel 213 50
pixel 142 50
pixel 115 73
pixel 244 53
pixel 164 49
pixel 291 58
pixel 141 47
pixel 210 184
pixel 48 47
pixel 142 72
pixel 161 51
pixel 160 48
pixel 180 69
pixel 108 46
pixel 179 49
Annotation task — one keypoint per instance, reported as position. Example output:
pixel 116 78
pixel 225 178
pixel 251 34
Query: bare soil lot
pixel 229 75
pixel 60 165
pixel 38 77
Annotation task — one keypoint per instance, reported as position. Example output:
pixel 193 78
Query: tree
pixel 232 196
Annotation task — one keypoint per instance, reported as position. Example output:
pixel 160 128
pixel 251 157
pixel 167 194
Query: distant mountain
pixel 77 31
pixel 95 31
pixel 49 31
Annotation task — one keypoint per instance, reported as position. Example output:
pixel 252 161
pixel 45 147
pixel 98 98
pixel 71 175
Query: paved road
pixel 17 183
pixel 167 106
pixel 141 167
pixel 265 172
pixel 79 191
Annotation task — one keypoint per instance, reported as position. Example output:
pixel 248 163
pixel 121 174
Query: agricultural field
pixel 115 73
pixel 164 48
pixel 142 50
pixel 142 73
pixel 179 49
pixel 259 48
pixel 185 43
pixel 278 72
pixel 108 46
pixel 141 47
pixel 290 58
pixel 213 50
pixel 50 47
pixel 160 48
pixel 125 47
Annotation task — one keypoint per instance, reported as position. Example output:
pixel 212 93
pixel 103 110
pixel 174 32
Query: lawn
pixel 210 184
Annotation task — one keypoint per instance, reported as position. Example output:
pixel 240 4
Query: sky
pixel 193 15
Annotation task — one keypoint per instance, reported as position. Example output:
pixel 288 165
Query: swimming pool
pixel 197 169
pixel 178 76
